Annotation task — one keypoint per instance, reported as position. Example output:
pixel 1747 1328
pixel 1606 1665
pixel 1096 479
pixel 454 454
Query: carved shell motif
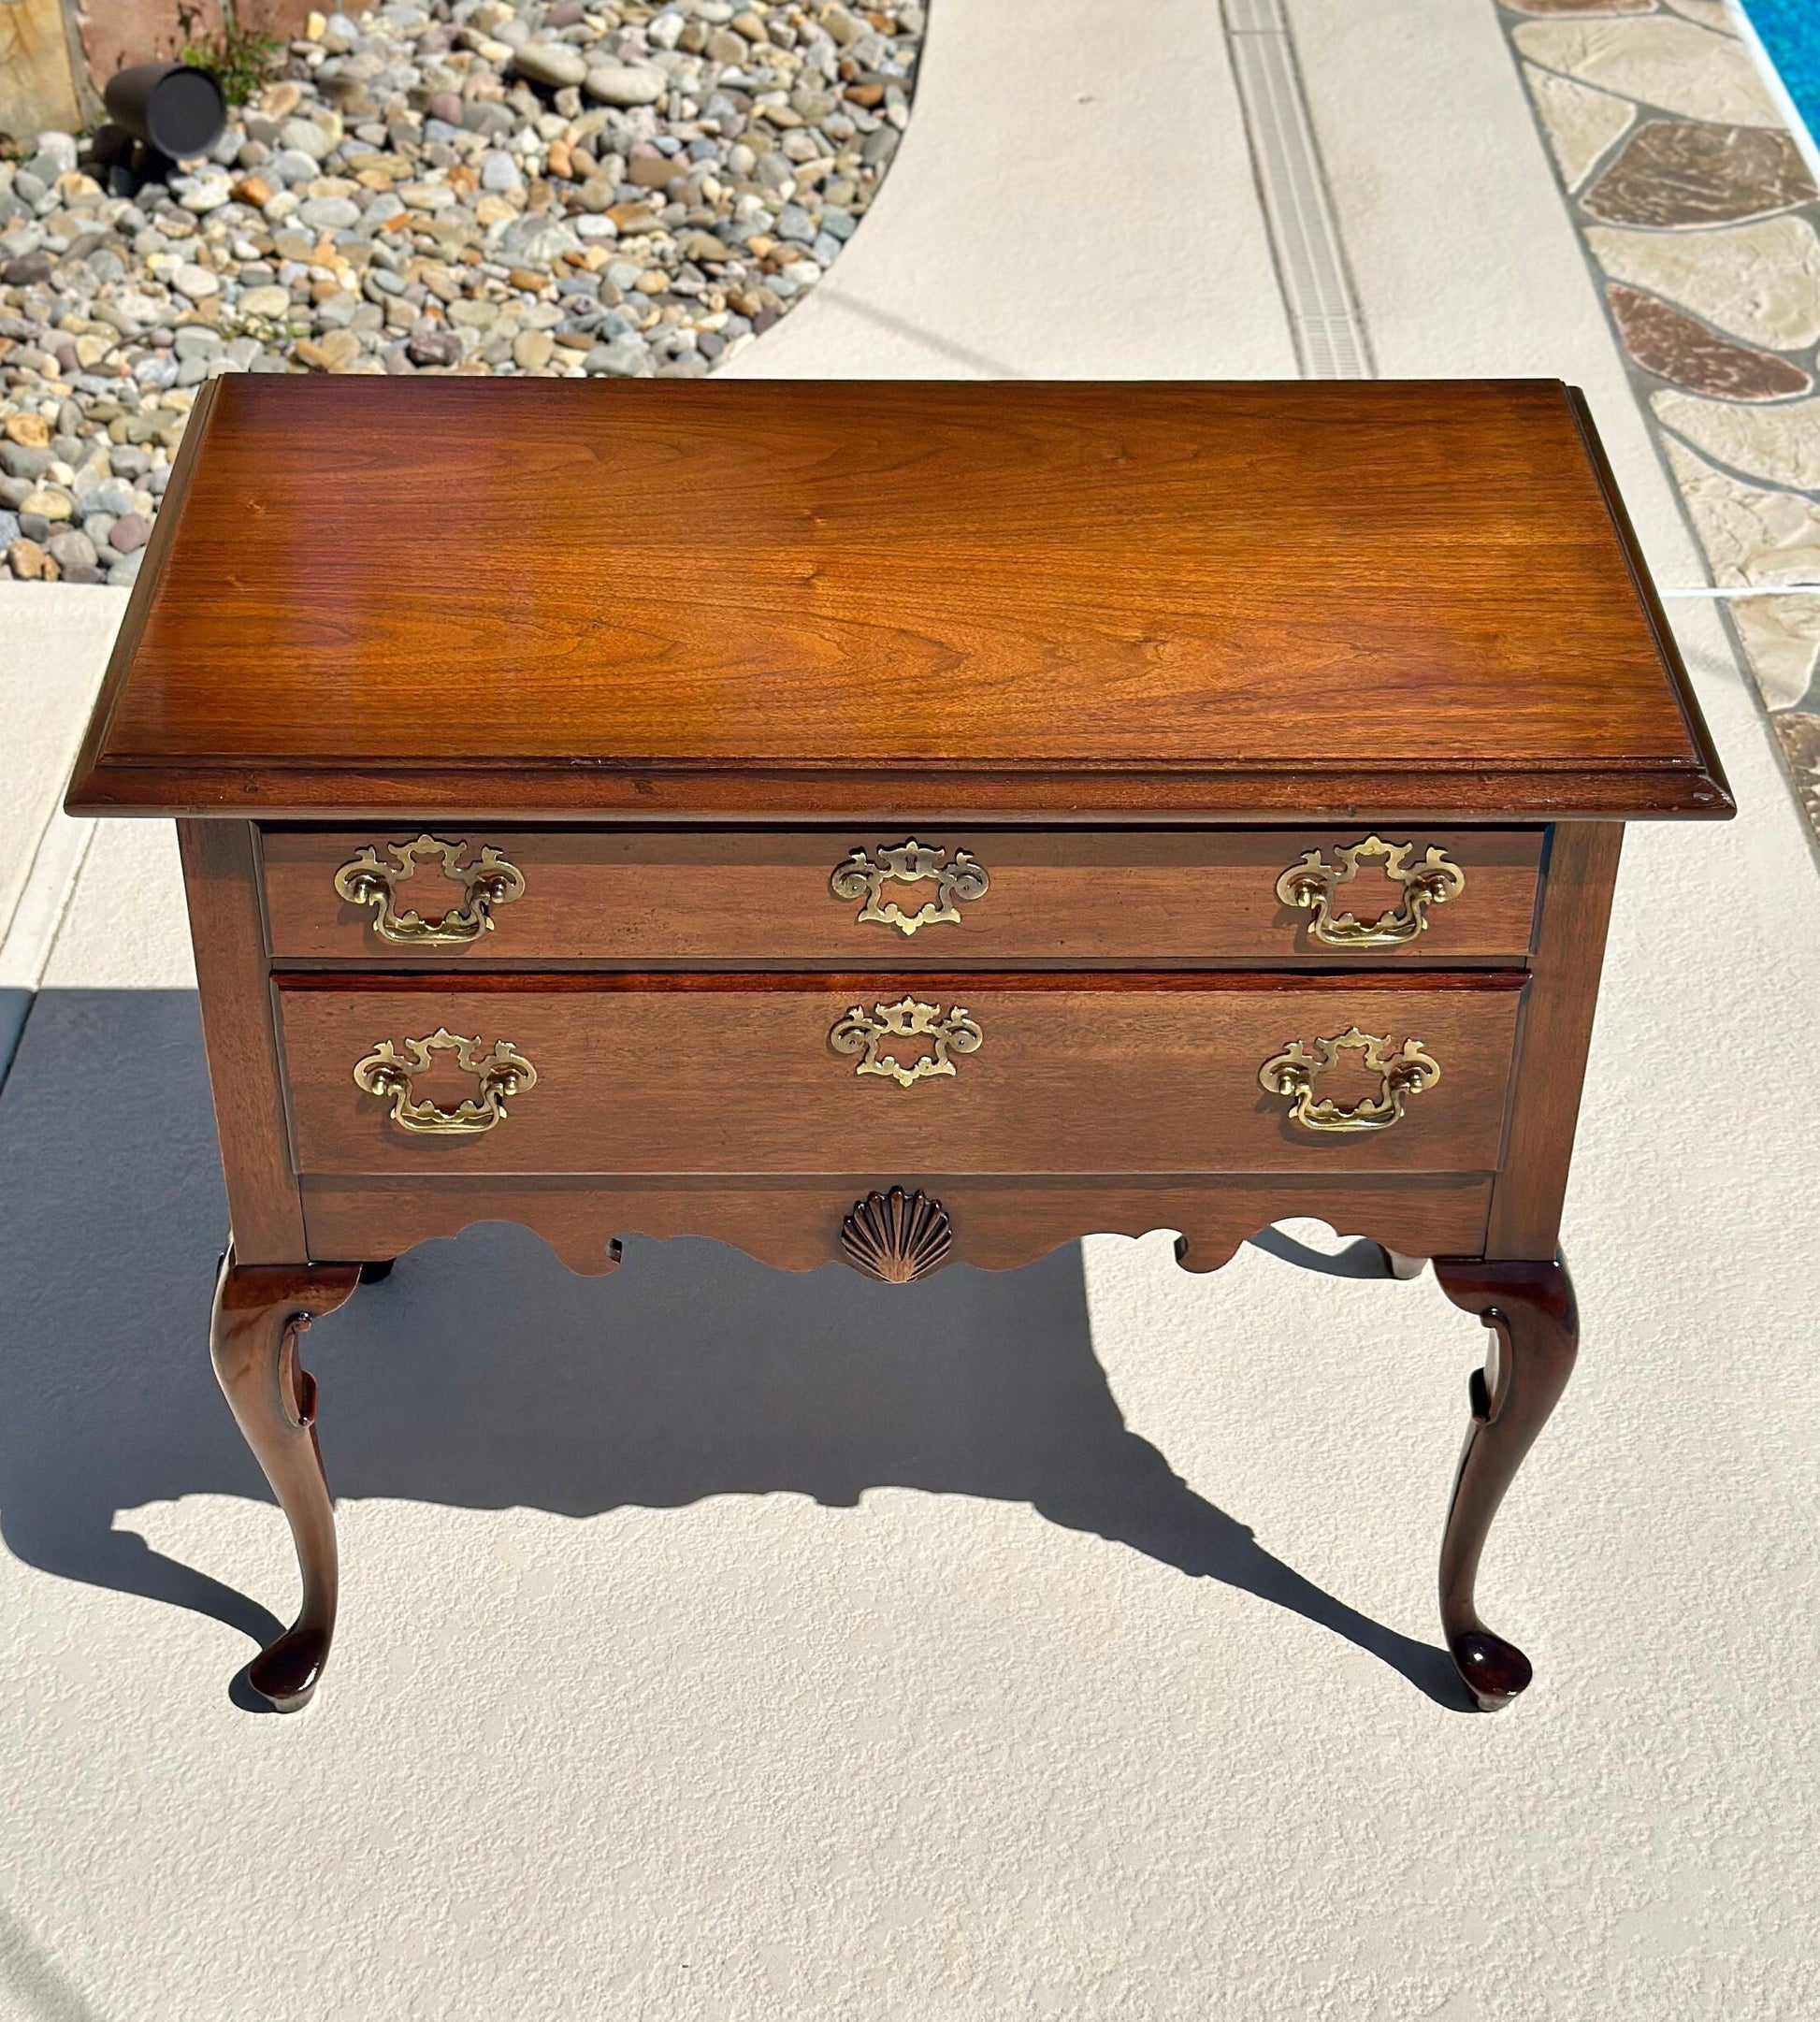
pixel 897 1237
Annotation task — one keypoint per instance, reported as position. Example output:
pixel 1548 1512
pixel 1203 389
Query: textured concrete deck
pixel 723 1644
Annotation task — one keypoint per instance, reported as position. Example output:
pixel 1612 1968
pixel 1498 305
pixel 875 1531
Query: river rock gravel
pixel 620 189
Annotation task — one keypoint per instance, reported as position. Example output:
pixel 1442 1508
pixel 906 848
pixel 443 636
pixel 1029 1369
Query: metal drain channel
pixel 1325 320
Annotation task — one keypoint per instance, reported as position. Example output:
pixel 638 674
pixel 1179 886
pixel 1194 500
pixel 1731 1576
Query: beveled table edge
pixel 584 794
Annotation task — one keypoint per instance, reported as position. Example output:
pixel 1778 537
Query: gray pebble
pixel 627 84
pixel 329 213
pixel 549 62
pixel 71 550
pixel 625 358
pixel 306 138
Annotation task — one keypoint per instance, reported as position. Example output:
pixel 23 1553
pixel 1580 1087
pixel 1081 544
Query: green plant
pixel 240 60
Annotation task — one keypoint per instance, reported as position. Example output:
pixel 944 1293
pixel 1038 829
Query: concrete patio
pixel 727 1646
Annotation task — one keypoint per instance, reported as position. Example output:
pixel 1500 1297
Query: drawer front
pixel 807 1074
pixel 871 898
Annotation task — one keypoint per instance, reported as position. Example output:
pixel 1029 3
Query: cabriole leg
pixel 1535 1329
pixel 259 1312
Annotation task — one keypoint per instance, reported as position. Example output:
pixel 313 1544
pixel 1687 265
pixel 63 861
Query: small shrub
pixel 240 60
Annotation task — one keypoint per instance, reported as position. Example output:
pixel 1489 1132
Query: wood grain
pixel 1000 1223
pixel 220 881
pixel 258 1314
pixel 1555 1036
pixel 1529 1307
pixel 725 596
pixel 1059 896
pixel 1104 1079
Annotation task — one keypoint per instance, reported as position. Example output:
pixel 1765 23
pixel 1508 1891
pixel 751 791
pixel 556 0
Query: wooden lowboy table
pixel 904 822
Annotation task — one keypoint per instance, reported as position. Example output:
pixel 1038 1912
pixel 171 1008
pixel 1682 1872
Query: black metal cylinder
pixel 173 107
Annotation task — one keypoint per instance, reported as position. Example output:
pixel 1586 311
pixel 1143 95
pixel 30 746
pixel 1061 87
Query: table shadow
pixel 484 1375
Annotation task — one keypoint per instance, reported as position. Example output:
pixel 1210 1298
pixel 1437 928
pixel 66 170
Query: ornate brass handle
pixel 1402 1073
pixel 864 877
pixel 1313 882
pixel 501 1072
pixel 487 882
pixel 864 1031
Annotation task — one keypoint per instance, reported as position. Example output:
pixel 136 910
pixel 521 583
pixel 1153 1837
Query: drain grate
pixel 1329 333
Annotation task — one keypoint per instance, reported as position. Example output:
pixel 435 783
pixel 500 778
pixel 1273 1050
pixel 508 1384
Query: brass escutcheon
pixel 1402 1073
pixel 864 877
pixel 489 881
pixel 1312 882
pixel 862 1032
pixel 503 1071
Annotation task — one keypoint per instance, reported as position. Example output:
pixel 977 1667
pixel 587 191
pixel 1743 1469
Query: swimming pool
pixel 1789 33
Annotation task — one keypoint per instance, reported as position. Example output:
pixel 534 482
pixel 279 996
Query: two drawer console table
pixel 898 823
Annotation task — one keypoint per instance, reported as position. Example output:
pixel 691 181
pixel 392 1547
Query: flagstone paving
pixel 1700 213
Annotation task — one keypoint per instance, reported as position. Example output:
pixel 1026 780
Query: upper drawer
pixel 937 897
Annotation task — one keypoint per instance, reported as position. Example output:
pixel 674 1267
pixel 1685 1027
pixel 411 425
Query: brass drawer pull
pixel 863 1032
pixel 865 876
pixel 1313 883
pixel 1402 1074
pixel 501 1072
pixel 489 881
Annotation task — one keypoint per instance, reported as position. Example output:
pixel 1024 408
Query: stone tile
pixel 1779 445
pixel 1709 13
pixel 1660 59
pixel 1580 7
pixel 1675 347
pixel 1757 282
pixel 1799 735
pixel 1781 642
pixel 1580 123
pixel 1751 536
pixel 1676 172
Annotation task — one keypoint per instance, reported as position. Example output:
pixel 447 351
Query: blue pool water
pixel 1789 31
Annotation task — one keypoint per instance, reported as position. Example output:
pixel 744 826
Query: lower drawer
pixel 809 1074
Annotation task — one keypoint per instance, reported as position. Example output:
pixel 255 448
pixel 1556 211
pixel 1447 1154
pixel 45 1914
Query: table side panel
pixel 222 884
pixel 1554 1035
